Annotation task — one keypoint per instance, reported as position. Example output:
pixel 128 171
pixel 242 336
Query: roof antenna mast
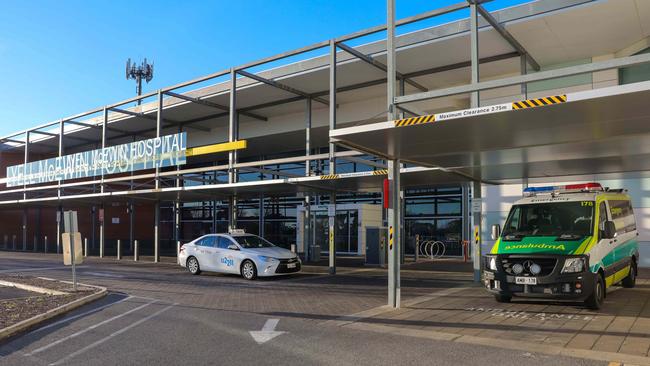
pixel 138 73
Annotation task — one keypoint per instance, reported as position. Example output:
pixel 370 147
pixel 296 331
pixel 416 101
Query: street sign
pixel 476 205
pixel 70 222
pixel 76 247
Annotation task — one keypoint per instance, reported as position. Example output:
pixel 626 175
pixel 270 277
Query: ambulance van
pixel 569 242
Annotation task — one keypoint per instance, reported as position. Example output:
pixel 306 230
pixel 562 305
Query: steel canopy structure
pixel 598 131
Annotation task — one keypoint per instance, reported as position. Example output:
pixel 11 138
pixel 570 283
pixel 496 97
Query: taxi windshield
pixel 252 241
pixel 569 220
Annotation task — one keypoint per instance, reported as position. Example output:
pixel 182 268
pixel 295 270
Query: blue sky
pixel 59 58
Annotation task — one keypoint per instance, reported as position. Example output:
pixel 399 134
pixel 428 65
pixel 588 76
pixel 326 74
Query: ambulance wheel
pixel 502 298
pixel 597 297
pixel 630 280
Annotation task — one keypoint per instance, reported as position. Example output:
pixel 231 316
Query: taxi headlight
pixel 491 263
pixel 266 259
pixel 573 265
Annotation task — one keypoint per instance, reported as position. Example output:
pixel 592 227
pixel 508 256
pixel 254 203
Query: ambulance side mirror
pixel 496 231
pixel 609 232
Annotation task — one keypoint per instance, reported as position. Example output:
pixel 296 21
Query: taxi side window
pixel 223 242
pixel 208 241
pixel 622 215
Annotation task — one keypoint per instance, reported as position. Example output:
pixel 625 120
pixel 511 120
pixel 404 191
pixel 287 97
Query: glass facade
pixel 432 213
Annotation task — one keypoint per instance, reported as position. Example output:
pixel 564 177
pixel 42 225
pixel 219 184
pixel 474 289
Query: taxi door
pixel 228 261
pixel 205 253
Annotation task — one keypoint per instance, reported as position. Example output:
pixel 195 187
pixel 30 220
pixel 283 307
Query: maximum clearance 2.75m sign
pixel 152 153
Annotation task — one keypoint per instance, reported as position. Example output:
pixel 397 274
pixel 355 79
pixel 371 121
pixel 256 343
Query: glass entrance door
pixel 347 235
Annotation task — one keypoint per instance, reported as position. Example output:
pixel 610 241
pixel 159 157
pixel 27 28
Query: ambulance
pixel 569 242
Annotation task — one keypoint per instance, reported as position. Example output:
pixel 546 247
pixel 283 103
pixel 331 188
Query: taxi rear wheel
pixel 193 266
pixel 248 270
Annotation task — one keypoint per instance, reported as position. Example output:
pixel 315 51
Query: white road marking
pixel 114 334
pixel 29 269
pixel 80 315
pixel 267 333
pixel 101 274
pixel 76 334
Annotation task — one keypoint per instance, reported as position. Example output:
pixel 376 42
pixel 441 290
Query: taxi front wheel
pixel 248 270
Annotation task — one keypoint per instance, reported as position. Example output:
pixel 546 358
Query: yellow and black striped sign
pixel 329 176
pixel 380 172
pixel 390 238
pixel 477 238
pixel 415 121
pixel 539 102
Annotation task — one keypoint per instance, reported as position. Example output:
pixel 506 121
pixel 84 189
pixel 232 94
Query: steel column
pixel 156 233
pixel 523 62
pixel 331 211
pixel 394 211
pixel 104 123
pixel 474 103
pixel 102 238
pixel 306 238
pixel 158 125
pixel 233 134
pixel 24 229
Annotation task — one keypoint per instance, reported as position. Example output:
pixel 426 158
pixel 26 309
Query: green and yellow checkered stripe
pixel 329 176
pixel 415 120
pixel 539 102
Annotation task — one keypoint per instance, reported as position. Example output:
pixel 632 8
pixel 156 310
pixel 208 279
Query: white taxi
pixel 237 253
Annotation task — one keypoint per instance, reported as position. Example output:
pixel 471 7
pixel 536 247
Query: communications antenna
pixel 144 71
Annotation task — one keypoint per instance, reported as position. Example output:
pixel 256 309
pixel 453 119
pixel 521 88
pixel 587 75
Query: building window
pixel 635 74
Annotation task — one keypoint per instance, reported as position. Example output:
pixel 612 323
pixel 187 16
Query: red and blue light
pixel 582 187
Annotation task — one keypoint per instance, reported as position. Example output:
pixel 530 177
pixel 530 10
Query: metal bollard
pixel 293 248
pixel 178 252
pixel 119 249
pixel 85 247
pixel 417 247
pixel 135 251
pixel 13 242
pixel 45 243
pixel 35 243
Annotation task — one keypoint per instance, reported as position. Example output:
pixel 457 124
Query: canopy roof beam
pixel 281 86
pixel 380 65
pixel 208 103
pixel 507 35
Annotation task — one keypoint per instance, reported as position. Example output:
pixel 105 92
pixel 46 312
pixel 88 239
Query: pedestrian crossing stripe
pixel 415 120
pixel 539 102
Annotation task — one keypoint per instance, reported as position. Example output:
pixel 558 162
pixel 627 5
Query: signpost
pixel 72 248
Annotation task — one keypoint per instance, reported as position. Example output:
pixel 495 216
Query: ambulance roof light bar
pixel 567 188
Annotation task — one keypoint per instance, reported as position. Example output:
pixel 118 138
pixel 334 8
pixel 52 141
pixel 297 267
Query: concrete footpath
pixel 620 331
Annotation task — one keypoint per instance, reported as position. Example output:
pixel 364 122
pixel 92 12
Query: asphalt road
pixel 159 314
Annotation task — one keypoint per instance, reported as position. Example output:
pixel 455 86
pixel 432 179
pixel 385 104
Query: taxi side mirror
pixel 496 231
pixel 233 247
pixel 609 231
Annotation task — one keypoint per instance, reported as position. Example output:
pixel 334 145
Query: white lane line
pixel 80 315
pixel 76 334
pixel 101 274
pixel 112 335
pixel 29 269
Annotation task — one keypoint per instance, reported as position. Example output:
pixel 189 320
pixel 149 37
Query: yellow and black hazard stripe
pixel 390 238
pixel 329 176
pixel 380 172
pixel 415 120
pixel 539 102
